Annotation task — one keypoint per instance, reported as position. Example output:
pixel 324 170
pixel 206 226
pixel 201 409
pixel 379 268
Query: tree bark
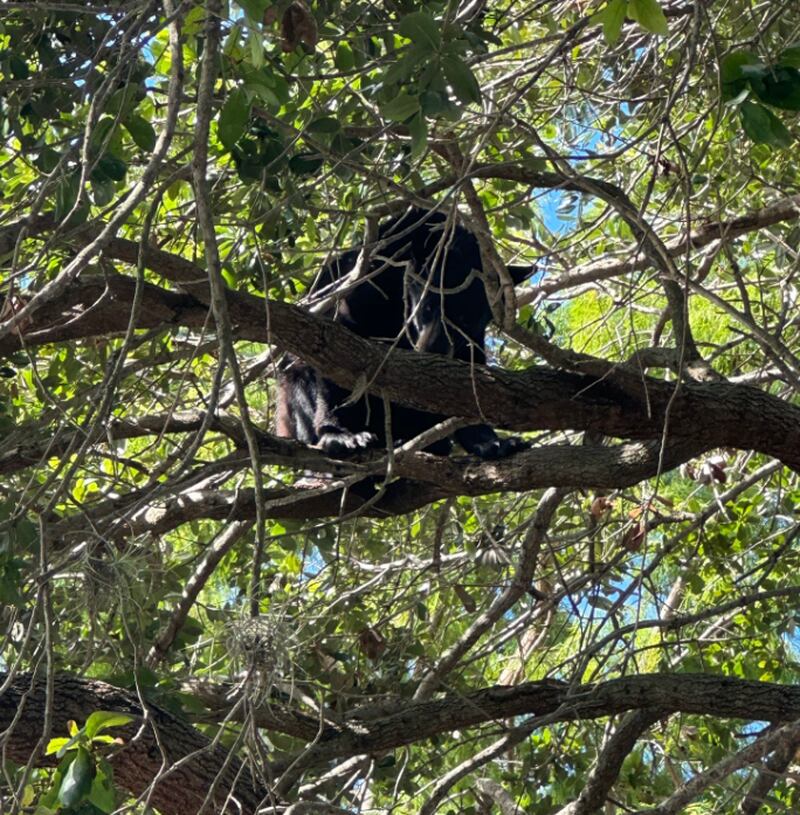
pixel 701 415
pixel 209 771
pixel 182 791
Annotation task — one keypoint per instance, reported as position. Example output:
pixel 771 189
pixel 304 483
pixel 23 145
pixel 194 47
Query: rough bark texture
pixel 657 693
pixel 211 771
pixel 181 791
pixel 701 416
pixel 609 763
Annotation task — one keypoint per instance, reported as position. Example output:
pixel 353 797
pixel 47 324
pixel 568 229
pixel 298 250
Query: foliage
pixel 83 782
pixel 641 154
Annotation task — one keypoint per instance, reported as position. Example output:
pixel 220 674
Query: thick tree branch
pixel 656 693
pixel 423 478
pixel 609 762
pixel 179 790
pixel 505 803
pixel 222 701
pixel 624 405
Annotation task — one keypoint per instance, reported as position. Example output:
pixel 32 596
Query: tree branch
pixel 696 785
pixel 561 702
pixel 139 763
pixel 772 771
pixel 609 762
pixel 180 791
pixel 622 405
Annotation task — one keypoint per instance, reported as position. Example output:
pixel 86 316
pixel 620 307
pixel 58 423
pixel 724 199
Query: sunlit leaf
pixel 77 779
pixel 101 720
pixel 142 132
pixel 233 118
pixel 649 15
pixel 612 18
pixel 54 745
pixel 401 107
pixel 421 29
pixel 463 81
pixel 763 126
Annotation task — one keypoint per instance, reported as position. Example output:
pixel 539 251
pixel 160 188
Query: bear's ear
pixel 521 273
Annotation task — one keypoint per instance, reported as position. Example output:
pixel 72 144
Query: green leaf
pixel 102 793
pixel 248 166
pixel 432 103
pixel 401 107
pixel 77 779
pixel 324 124
pixel 66 194
pixel 611 18
pixel 266 86
pixel 407 66
pixel 193 21
pixel 10 567
pixel 731 72
pixel 125 99
pixel 103 134
pixel 649 15
pixel 48 802
pixel 233 118
pixel 103 191
pixel 422 29
pixel 780 88
pixel 790 56
pixel 344 59
pixel 103 719
pixel 419 135
pixel 259 83
pixel 111 166
pixel 754 72
pixel 291 564
pixel 230 277
pixel 461 78
pixel 104 739
pixel 341 145
pixel 142 132
pixel 305 163
pixel 54 745
pixel 192 629
pixel 280 88
pixel 66 745
pixel 47 160
pixel 18 67
pixel 254 9
pixel 763 126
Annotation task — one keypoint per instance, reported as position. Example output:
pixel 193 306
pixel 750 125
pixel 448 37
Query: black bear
pixel 420 289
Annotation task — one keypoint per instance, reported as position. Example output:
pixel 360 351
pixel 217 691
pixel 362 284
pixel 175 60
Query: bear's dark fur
pixel 421 290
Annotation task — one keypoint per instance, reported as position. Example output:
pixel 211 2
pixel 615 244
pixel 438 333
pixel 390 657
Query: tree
pixel 603 622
